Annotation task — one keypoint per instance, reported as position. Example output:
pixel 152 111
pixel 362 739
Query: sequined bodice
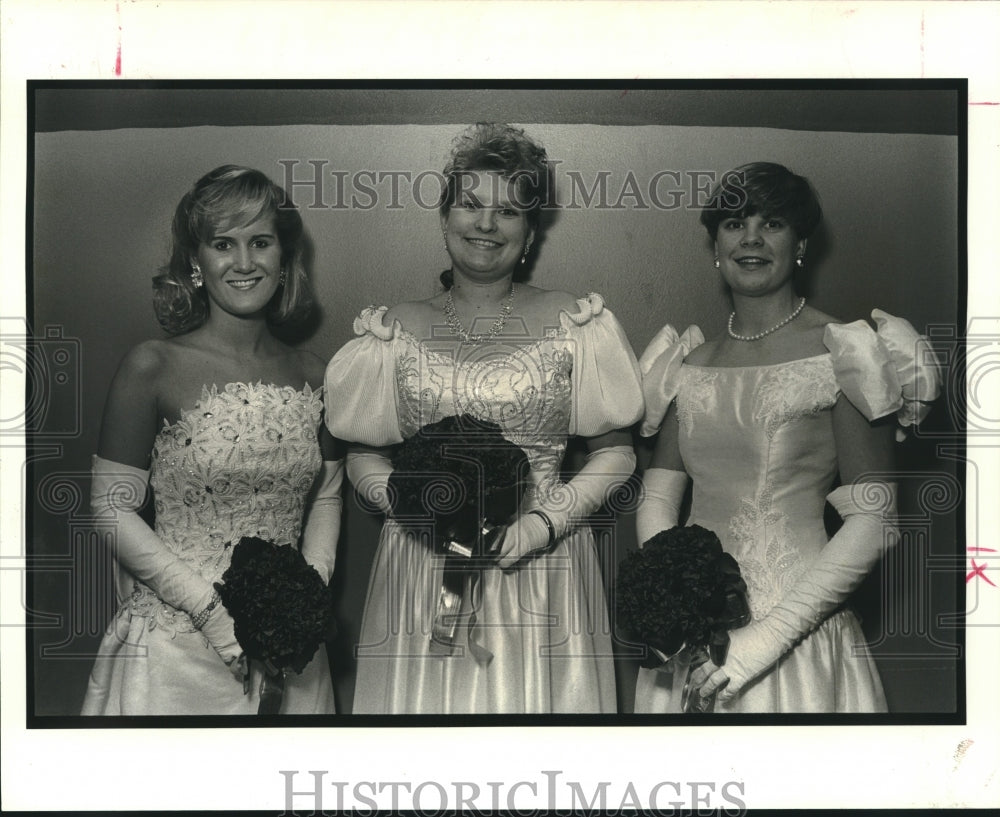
pixel 758 443
pixel 240 463
pixel 526 390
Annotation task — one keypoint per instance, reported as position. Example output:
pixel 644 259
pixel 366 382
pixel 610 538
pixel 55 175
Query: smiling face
pixel 757 253
pixel 241 267
pixel 485 231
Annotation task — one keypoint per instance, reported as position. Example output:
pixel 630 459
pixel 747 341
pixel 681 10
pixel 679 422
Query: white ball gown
pixel 239 463
pixel 758 444
pixel 545 622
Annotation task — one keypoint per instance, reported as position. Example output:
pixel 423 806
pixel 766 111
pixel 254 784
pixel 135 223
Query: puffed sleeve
pixel 606 386
pixel 889 369
pixel 360 384
pixel 660 365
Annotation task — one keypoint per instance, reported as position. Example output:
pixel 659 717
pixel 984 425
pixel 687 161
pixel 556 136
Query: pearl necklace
pixel 759 335
pixel 455 323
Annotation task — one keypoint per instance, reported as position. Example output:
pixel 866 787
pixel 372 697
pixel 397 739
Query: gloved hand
pixel 117 493
pixel 662 495
pixel 322 525
pixel 605 470
pixel 369 474
pixel 528 533
pixel 868 510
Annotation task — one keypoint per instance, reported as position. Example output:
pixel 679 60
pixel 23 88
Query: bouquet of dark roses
pixel 680 595
pixel 282 611
pixel 461 476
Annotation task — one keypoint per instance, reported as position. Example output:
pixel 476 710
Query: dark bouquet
pixel 681 594
pixel 282 611
pixel 463 476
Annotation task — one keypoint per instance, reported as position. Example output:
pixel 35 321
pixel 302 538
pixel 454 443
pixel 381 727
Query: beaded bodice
pixel 240 463
pixel 525 390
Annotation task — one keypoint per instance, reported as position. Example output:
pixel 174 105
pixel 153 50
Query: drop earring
pixel 524 255
pixel 196 276
pixel 716 263
pixel 281 277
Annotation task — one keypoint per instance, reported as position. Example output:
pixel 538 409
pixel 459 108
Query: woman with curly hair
pixel 221 423
pixel 531 629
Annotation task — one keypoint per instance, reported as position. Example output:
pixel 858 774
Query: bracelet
pixel 548 524
pixel 201 619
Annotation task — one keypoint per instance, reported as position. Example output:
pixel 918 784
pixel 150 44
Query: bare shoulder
pixel 414 316
pixel 550 300
pixel 809 329
pixel 816 319
pixel 144 363
pixel 704 354
pixel 312 366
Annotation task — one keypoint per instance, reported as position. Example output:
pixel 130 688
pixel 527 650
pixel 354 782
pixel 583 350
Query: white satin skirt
pixel 533 639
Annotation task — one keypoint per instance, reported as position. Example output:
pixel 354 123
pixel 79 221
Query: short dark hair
pixel 764 188
pixel 229 196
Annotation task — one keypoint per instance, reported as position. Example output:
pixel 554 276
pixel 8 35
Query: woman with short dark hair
pixel 765 420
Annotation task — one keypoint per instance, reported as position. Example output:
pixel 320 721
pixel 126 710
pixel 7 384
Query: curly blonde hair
pixel 500 148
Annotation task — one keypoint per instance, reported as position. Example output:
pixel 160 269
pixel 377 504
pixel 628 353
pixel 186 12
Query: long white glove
pixel 117 492
pixel 322 525
pixel 868 510
pixel 369 474
pixel 605 470
pixel 660 509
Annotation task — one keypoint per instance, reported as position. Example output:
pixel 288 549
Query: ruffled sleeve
pixel 660 365
pixel 361 384
pixel 606 386
pixel 891 369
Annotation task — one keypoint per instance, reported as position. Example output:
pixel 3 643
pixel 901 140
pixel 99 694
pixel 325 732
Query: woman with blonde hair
pixel 221 423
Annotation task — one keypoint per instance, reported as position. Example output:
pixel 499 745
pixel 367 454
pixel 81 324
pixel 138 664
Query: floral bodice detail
pixel 581 378
pixel 240 463
pixel 758 441
pixel 526 392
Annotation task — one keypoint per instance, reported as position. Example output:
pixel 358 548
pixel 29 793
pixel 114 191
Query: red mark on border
pixel 985 103
pixel 977 570
pixel 118 54
pixel 922 43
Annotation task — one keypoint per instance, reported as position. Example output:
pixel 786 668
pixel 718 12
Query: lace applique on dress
pixel 698 395
pixel 787 392
pixel 420 388
pixel 240 463
pixel 527 392
pixel 768 559
pixel 146 604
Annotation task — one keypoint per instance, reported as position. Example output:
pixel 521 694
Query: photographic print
pixel 629 411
